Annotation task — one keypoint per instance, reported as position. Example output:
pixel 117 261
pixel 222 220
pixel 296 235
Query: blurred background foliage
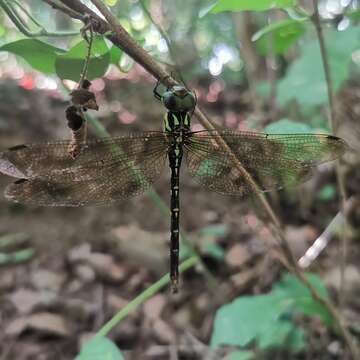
pixel 207 44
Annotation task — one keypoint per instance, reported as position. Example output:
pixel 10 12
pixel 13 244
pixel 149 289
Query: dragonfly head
pixel 179 99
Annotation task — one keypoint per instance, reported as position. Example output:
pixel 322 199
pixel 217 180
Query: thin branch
pixel 27 13
pixel 338 222
pixel 165 37
pixel 242 23
pixel 88 55
pixel 271 65
pixel 159 29
pixel 325 60
pixel 333 122
pixel 18 22
pixel 80 8
pixel 146 294
pixel 73 14
pixel 22 26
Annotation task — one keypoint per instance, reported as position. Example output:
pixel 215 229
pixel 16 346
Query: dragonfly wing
pixel 273 161
pixel 106 170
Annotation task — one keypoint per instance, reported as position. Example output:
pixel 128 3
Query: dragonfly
pixel 110 169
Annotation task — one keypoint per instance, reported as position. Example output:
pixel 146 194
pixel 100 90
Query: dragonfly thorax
pixel 176 122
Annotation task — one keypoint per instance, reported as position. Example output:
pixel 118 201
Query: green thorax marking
pixel 180 102
pixel 174 122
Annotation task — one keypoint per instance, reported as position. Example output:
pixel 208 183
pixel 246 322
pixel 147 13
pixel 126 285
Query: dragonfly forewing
pixel 106 170
pixel 272 161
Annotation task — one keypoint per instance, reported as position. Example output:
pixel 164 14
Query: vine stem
pixel 21 25
pixel 146 294
pixel 333 123
pixel 118 35
pixel 89 42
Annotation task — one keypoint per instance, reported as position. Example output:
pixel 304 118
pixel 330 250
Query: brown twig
pixel 242 23
pixel 333 123
pixel 271 67
pixel 118 35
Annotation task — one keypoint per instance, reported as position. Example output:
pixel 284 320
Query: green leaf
pixel 215 251
pixel 99 348
pixel 285 335
pixel 241 355
pixel 327 193
pixel 266 319
pixel 305 79
pixel 263 89
pixel 39 55
pixel 214 230
pixel 299 295
pixel 286 126
pixel 290 286
pixel 249 5
pixel 70 65
pixel 297 13
pixel 115 55
pixel 242 321
pixel 284 34
pixel 353 15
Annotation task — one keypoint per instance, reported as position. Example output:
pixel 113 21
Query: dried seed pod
pixel 74 119
pixel 86 84
pixel 84 98
pixel 78 130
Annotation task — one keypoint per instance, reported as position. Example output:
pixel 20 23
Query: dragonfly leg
pixel 155 91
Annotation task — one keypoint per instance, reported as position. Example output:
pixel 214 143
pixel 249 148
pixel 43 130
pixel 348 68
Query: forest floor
pixel 89 262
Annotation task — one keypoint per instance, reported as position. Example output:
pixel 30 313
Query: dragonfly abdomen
pixel 175 157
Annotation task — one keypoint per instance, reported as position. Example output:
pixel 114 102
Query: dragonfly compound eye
pixel 178 101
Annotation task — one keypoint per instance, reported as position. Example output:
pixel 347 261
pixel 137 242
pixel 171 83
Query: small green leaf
pixel 327 193
pixel 266 319
pixel 297 340
pixel 70 65
pixel 215 251
pixel 39 55
pixel 291 288
pixel 353 15
pixel 115 55
pixel 100 348
pixel 305 79
pixel 16 257
pixel 286 126
pixel 285 335
pixel 285 33
pixel 241 355
pixel 263 89
pixel 250 5
pixel 298 13
pixel 2 31
pixel 240 322
pixel 214 230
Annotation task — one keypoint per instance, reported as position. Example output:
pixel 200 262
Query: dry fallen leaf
pixel 46 323
pixel 163 332
pixel 154 306
pixel 238 256
pixel 105 266
pixel 45 279
pixel 26 300
pixel 150 249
